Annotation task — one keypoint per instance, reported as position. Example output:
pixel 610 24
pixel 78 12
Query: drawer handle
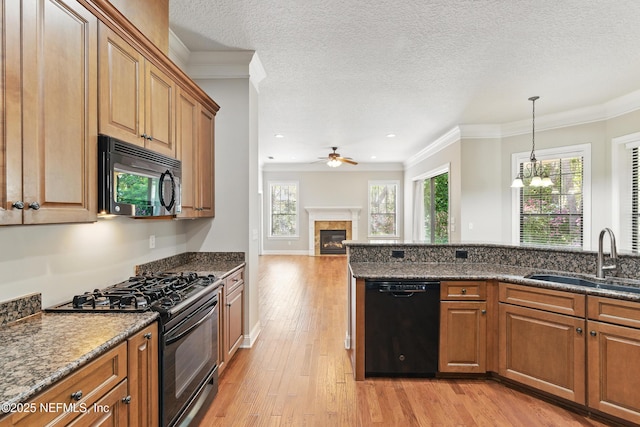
pixel 126 400
pixel 593 333
pixel 463 291
pixel 579 331
pixel 77 395
pixel 147 335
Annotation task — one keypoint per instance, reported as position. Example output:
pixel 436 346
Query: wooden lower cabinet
pixel 543 350
pixel 119 388
pixel 613 350
pixel 233 319
pixel 463 331
pixel 143 376
pixel 111 410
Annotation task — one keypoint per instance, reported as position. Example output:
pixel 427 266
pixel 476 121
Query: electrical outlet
pixel 461 254
pixel 397 254
pixel 152 241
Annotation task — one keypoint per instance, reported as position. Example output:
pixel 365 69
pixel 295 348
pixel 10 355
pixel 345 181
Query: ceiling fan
pixel 334 159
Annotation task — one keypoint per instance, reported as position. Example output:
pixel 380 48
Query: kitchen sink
pixel 569 280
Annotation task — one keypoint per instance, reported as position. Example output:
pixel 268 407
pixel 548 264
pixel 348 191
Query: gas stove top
pixel 161 292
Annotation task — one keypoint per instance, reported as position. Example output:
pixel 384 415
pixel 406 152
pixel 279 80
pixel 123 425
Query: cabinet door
pixel 159 123
pixel 221 328
pixel 143 377
pixel 186 139
pixel 121 79
pixel 10 113
pixel 59 112
pixel 206 168
pixel 233 322
pixel 614 375
pixel 111 410
pixel 463 337
pixel 543 350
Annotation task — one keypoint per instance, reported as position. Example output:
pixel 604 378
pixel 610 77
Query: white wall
pixel 331 188
pixel 60 261
pixel 236 223
pixel 481 191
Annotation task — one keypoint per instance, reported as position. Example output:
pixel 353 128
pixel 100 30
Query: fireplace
pixel 331 241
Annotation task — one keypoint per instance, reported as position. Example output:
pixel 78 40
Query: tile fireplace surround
pixel 341 214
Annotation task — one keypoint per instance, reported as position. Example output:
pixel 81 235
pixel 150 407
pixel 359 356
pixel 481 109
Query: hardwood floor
pixel 298 372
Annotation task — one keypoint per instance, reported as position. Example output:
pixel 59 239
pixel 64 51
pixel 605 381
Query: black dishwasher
pixel 402 327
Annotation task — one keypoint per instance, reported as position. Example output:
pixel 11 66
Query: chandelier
pixel 534 169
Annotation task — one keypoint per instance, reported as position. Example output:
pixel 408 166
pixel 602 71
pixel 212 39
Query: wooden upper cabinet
pixel 151 17
pixel 195 138
pixel 11 113
pixel 51 122
pixel 136 97
pixel 206 157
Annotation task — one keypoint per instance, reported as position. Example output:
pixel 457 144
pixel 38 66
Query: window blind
pixel 553 216
pixel 634 200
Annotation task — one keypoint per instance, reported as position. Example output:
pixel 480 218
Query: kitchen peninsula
pixel 566 341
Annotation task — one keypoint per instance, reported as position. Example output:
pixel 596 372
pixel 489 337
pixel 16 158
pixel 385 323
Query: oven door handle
pixel 192 327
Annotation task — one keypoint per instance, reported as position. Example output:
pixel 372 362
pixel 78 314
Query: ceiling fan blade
pixel 347 160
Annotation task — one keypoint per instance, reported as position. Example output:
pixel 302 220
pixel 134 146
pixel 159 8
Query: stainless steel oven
pixel 189 358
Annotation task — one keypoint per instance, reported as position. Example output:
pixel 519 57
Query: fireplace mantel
pixel 335 213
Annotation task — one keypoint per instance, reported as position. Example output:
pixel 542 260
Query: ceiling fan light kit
pixel 534 170
pixel 334 159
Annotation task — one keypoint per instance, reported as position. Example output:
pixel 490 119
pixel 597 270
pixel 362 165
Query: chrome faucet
pixel 600 267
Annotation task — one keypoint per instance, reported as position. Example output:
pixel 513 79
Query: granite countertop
pixel 41 349
pixel 479 271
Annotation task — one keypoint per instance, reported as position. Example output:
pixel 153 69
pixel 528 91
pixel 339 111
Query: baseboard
pixel 291 252
pixel 251 338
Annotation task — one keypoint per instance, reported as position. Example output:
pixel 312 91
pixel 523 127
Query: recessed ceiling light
pixel 374 157
pixel 391 135
pixel 279 135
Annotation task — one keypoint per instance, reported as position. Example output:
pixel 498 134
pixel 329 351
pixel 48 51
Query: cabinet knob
pixel 34 205
pixel 144 135
pixel 579 330
pixel 483 311
pixel 147 335
pixel 463 291
pixel 126 399
pixel 77 395
pixel 149 137
pixel 593 333
pixel 18 205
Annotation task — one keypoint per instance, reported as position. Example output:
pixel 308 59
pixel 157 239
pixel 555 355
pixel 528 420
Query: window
pixel 554 216
pixel 283 209
pixel 383 208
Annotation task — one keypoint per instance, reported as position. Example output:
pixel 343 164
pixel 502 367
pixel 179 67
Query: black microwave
pixel 134 181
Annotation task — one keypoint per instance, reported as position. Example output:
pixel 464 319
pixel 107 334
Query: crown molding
pixel 616 107
pixel 451 137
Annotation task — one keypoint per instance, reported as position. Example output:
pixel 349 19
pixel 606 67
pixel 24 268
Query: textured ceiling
pixel 349 72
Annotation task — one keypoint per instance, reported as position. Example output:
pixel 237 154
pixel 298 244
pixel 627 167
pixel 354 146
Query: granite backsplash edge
pixel 19 308
pixel 169 263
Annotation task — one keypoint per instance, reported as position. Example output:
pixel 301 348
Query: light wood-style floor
pixel 298 372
